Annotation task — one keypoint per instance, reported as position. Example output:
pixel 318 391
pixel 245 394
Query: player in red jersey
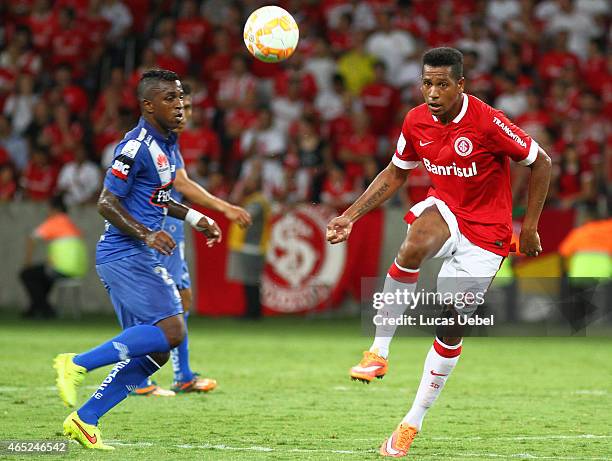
pixel 465 145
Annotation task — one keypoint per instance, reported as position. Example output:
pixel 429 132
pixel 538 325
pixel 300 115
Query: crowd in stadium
pixel 320 125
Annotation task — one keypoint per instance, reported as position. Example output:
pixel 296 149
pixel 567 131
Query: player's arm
pixel 109 206
pixel 197 220
pixel 384 186
pixel 539 180
pixel 200 196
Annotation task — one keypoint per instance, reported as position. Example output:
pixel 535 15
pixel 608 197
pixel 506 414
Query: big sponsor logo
pixel 302 270
pixel 451 170
pixel 161 195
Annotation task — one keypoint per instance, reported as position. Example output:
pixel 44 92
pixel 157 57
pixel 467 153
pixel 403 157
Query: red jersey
pixel 468 163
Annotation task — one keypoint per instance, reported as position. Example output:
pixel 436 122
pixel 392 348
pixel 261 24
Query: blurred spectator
pixel 8 182
pixel 330 104
pixel 19 106
pixel 288 109
pixel 71 94
pixel 321 65
pixel 62 135
pixel 119 17
pixel 198 141
pixel 265 144
pixel 236 86
pixel 193 29
pixel 69 42
pixel 574 180
pixel 312 156
pixel 356 66
pixel 390 44
pixel 20 56
pixel 40 175
pixel 67 258
pixel 358 148
pixel 11 143
pixel 500 11
pixel 478 40
pixel 248 246
pixel 380 101
pixel 43 23
pixel 579 25
pixel 79 180
pixel 511 99
pixel 338 189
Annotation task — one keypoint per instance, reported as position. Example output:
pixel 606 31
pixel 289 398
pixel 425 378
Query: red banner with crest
pixel 303 273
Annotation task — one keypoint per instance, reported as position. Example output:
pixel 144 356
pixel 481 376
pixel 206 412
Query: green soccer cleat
pixel 69 377
pixel 87 435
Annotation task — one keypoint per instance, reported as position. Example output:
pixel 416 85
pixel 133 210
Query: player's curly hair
pixel 152 77
pixel 443 57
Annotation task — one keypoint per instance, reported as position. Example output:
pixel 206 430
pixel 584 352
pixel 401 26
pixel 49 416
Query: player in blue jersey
pixel 185 380
pixel 134 201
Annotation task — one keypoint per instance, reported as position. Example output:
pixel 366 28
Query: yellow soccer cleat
pixel 399 443
pixel 371 366
pixel 87 435
pixel 69 377
pixel 197 384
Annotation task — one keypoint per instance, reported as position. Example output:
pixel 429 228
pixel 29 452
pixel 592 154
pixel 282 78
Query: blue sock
pixel 123 378
pixel 145 383
pixel 133 342
pixel 180 359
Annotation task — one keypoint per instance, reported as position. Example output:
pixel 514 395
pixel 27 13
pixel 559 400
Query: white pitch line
pixel 256 448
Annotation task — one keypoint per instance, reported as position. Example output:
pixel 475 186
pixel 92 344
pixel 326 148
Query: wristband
pixel 193 218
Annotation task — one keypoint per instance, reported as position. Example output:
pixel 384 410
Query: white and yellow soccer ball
pixel 271 34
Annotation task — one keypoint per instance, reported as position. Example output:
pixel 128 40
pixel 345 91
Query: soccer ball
pixel 271 34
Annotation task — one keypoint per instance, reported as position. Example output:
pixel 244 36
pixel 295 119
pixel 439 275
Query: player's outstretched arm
pixel 111 209
pixel 197 220
pixel 200 196
pixel 529 241
pixel 384 186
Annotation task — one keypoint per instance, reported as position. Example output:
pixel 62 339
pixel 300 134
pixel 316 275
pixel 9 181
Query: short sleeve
pixel 405 157
pixel 126 163
pixel 505 138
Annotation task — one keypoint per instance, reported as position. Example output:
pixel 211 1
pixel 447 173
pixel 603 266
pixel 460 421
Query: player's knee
pixel 174 330
pixel 411 254
pixel 160 358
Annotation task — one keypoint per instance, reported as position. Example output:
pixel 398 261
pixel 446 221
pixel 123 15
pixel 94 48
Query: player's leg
pixel 185 380
pixel 470 270
pixel 426 237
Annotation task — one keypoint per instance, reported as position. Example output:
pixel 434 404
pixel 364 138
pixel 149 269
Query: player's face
pixel 186 114
pixel 441 92
pixel 167 105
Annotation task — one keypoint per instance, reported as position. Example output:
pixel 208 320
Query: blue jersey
pixel 141 175
pixel 175 227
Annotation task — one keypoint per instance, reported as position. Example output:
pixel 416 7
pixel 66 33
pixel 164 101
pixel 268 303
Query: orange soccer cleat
pixel 197 384
pixel 399 443
pixel 371 366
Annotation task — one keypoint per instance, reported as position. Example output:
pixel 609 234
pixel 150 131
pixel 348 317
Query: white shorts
pixel 467 268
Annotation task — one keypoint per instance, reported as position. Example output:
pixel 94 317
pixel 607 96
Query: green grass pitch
pixel 284 394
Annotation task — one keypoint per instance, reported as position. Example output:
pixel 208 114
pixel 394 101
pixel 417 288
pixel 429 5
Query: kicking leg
pixel 425 237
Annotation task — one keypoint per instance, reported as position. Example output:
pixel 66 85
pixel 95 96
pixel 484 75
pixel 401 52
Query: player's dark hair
pixel 445 57
pixel 153 77
pixel 186 88
pixel 57 203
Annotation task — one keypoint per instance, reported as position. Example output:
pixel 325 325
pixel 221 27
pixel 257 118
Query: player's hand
pixel 238 215
pixel 339 229
pixel 529 242
pixel 161 241
pixel 210 229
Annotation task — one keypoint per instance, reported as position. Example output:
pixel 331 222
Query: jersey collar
pixel 462 112
pixel 171 139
